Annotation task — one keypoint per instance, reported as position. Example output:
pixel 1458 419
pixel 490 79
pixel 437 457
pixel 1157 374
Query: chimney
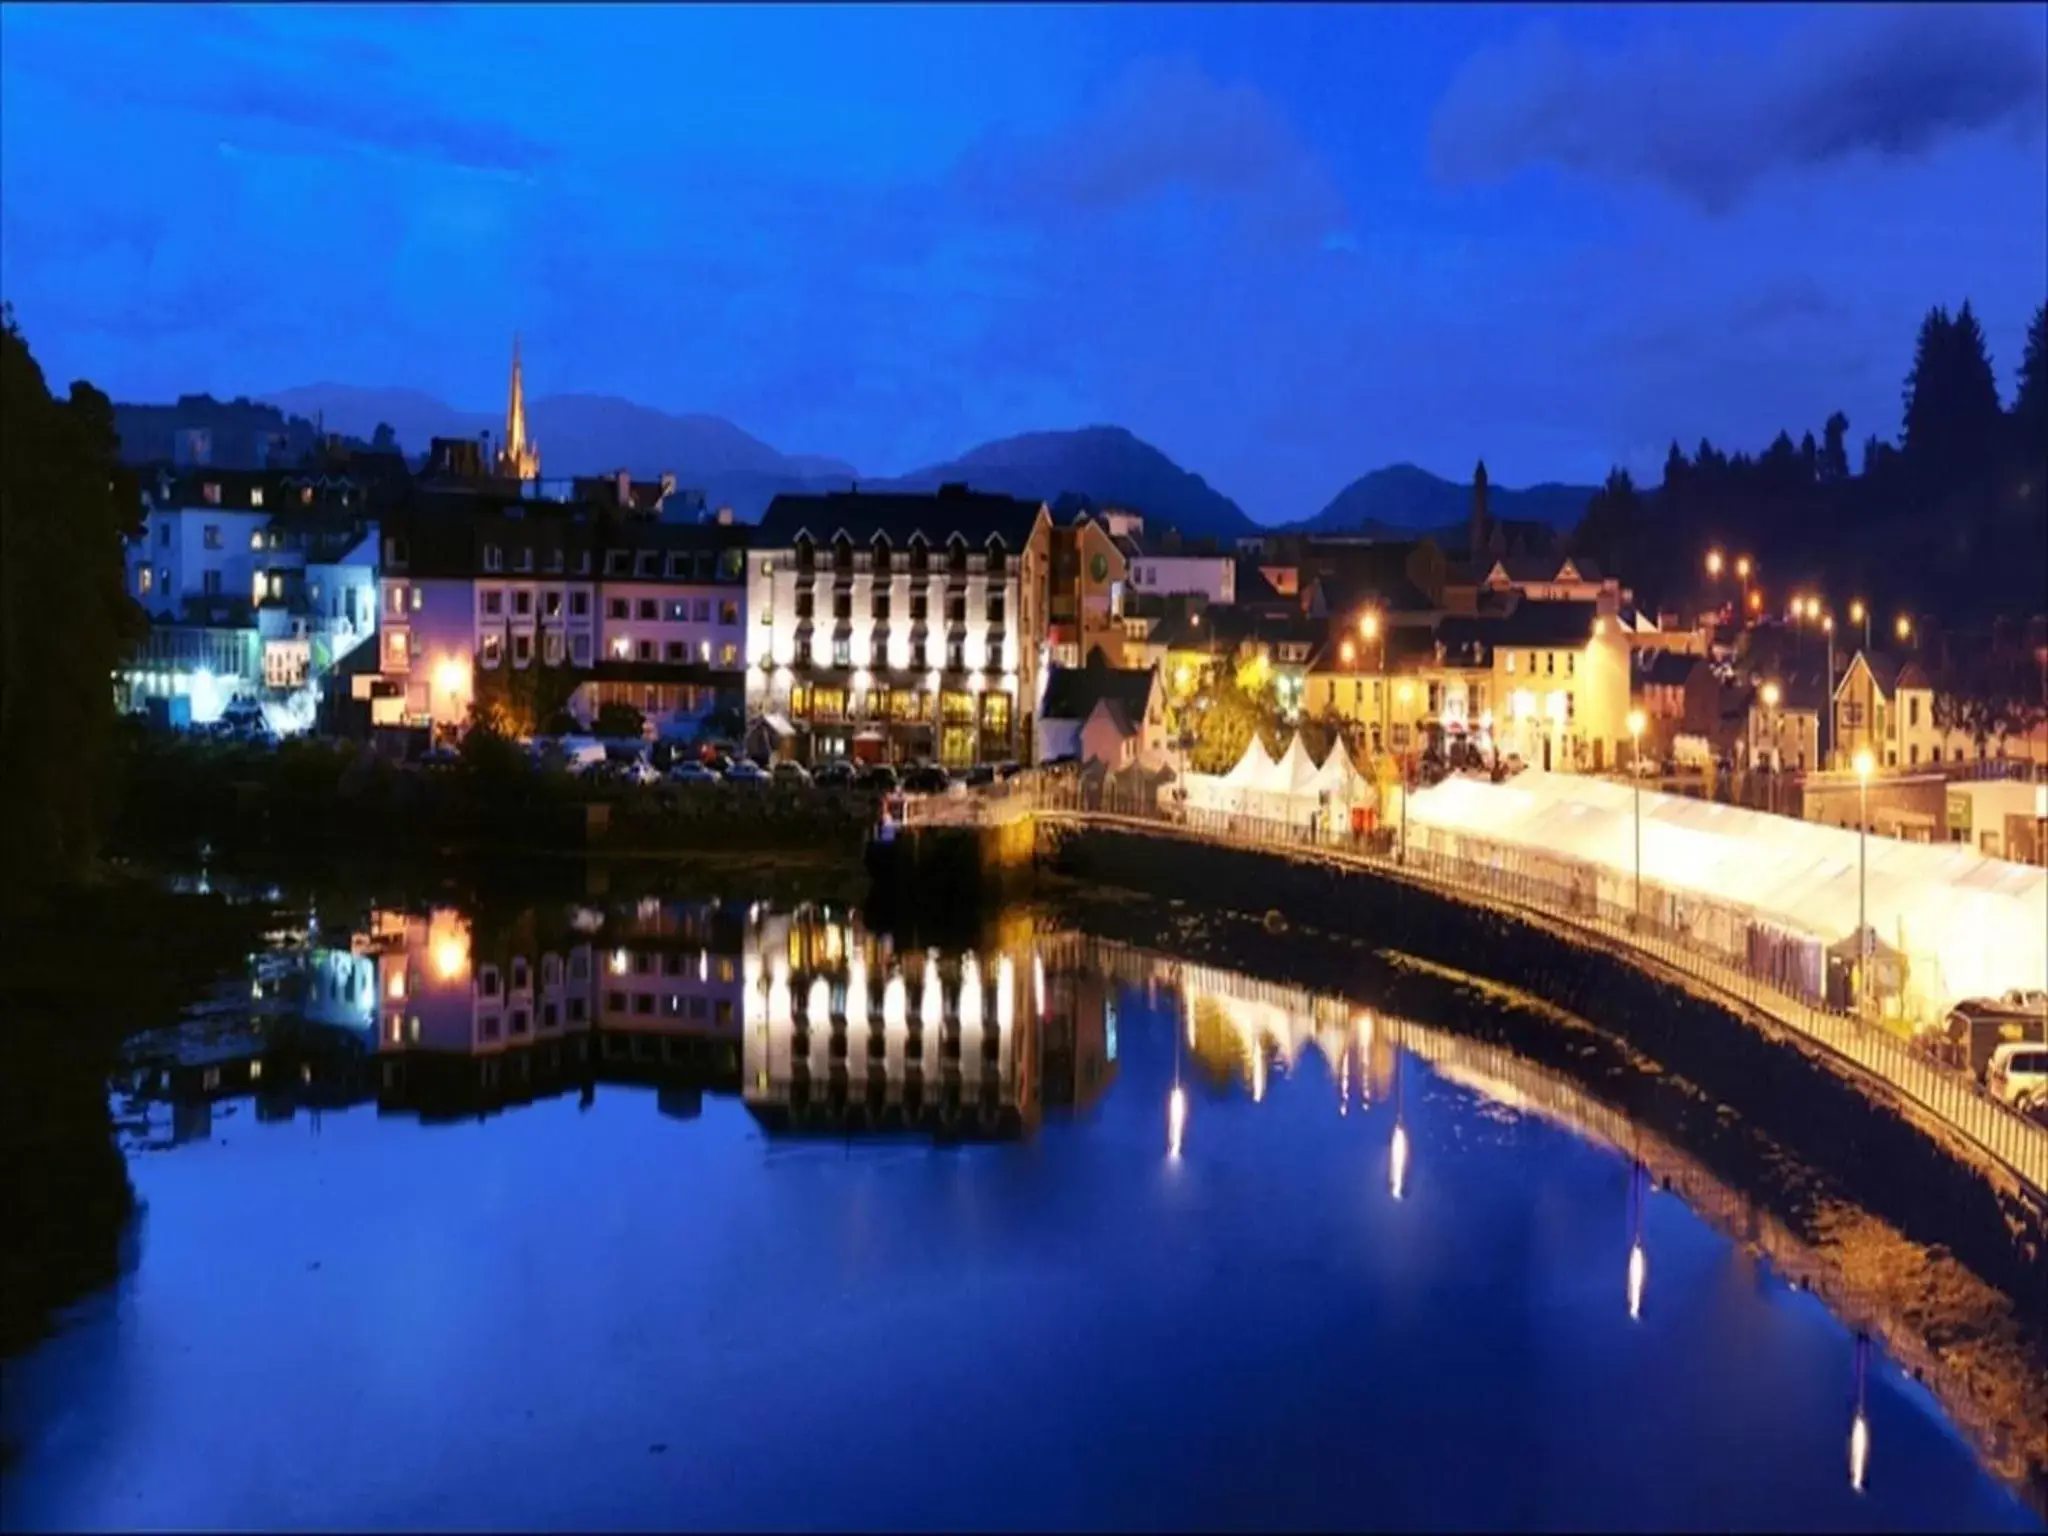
pixel 725 517
pixel 625 484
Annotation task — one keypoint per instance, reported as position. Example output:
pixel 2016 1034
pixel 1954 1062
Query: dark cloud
pixel 1167 126
pixel 1893 82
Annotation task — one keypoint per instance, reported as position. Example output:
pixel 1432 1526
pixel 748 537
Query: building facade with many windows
pixel 897 627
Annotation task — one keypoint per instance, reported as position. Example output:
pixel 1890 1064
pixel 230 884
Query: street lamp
pixel 1864 763
pixel 1714 563
pixel 1635 732
pixel 1859 613
pixel 1827 627
pixel 1904 629
pixel 1742 569
pixel 1407 692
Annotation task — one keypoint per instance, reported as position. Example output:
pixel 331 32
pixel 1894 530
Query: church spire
pixel 518 459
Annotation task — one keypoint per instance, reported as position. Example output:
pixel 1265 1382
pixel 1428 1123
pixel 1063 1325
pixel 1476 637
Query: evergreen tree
pixel 1677 469
pixel 1809 459
pixel 2030 401
pixel 1834 452
pixel 1952 414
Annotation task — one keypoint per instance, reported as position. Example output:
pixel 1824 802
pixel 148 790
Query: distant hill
pixel 240 433
pixel 1405 499
pixel 1107 464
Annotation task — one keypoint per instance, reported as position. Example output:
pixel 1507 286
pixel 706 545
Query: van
pixel 2019 1074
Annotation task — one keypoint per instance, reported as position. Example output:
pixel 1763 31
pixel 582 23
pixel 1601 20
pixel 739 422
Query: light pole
pixel 1635 769
pixel 1369 630
pixel 1864 763
pixel 1771 697
pixel 1859 613
pixel 1406 693
pixel 1742 569
pixel 1827 627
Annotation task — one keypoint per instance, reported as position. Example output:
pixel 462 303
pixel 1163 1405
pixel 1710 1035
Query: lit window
pixel 418 597
pixel 255 495
pixel 256 539
pixel 144 580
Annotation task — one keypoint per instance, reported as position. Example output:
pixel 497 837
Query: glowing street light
pixel 1369 626
pixel 1742 567
pixel 1714 563
pixel 1904 628
pixel 1348 652
pixel 1859 613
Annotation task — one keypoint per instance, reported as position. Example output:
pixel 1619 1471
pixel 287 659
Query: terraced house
pixel 897 627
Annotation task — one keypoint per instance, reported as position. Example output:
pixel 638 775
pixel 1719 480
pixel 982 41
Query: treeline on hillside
pixel 1952 520
pixel 66 505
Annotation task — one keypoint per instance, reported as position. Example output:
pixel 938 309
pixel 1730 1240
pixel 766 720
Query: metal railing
pixel 1562 891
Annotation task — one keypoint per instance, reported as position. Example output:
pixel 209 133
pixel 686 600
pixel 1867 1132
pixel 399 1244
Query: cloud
pixel 1709 125
pixel 1165 127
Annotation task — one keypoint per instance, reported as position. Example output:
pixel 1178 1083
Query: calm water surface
pixel 654 1266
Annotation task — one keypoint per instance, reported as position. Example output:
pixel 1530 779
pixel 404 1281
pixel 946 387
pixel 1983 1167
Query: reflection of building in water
pixel 844 1033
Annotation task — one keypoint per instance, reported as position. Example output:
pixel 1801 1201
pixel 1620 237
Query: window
pixel 615 562
pixel 995 607
pixel 1570 663
pixel 995 713
pixel 494 558
pixel 881 608
pixel 956 611
pixel 487 980
pixel 618 608
pixel 522 650
pixel 842 653
pixel 494 601
pixel 551 648
pixel 920 607
pixel 550 1016
pixel 646 650
pixel 956 654
pixel 212 535
pixel 210 584
pixel 582 562
pixel 703 650
pixel 842 605
pixel 210 493
pixel 579 650
pixel 728 612
pixel 643 562
pixel 995 654
pixel 163 534
pixel 729 655
pixel 676 611
pixel 676 651
pixel 724 1013
pixel 1549 664
pixel 493 649
pixel 522 604
pixel 649 609
pixel 615 1001
pixel 806 605
pixel 418 597
pixel 551 603
pixel 1913 712
pixel 1509 658
pixel 144 579
pixel 524 560
pixel 554 562
pixel 579 605
pixel 701 610
pixel 255 495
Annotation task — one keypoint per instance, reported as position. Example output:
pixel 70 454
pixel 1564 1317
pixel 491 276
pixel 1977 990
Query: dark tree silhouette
pixel 65 619
pixel 1952 413
pixel 1834 451
pixel 384 439
pixel 2030 401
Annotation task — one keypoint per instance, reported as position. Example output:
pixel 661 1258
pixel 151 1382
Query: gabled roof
pixel 1541 625
pixel 1118 717
pixel 1666 669
pixel 1890 673
pixel 1543 568
pixel 1071 693
pixel 975 516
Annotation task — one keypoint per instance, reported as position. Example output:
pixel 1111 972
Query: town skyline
pixel 1326 283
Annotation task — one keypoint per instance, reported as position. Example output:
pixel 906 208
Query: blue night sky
pixel 1285 245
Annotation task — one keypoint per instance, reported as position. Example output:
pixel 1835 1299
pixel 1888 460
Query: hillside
pixel 1405 496
pixel 1107 464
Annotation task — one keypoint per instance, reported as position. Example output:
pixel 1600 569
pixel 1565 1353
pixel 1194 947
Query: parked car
pixel 837 774
pixel 788 772
pixel 746 771
pixel 877 777
pixel 719 763
pixel 2025 999
pixel 1007 771
pixel 980 775
pixel 927 779
pixel 2019 1073
pixel 690 771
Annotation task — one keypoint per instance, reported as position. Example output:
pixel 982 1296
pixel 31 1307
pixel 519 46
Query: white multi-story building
pixel 202 538
pixel 1211 576
pixel 897 627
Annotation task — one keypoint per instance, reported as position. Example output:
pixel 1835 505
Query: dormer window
pixel 494 558
pixel 920 555
pixel 842 554
pixel 643 563
pixel 997 557
pixel 806 554
pixel 956 554
pixel 880 549
pixel 210 493
pixel 256 496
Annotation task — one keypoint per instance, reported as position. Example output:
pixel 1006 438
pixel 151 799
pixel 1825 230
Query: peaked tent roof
pixel 1337 776
pixel 1254 770
pixel 1295 773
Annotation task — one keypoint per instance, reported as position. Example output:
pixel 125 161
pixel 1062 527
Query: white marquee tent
pixel 1968 925
pixel 1294 789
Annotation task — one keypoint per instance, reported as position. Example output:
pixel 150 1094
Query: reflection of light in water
pixel 1258 1070
pixel 1344 1085
pixel 703 965
pixel 818 1005
pixel 1637 1269
pixel 895 1003
pixel 1859 1450
pixel 857 991
pixel 1038 985
pixel 1176 1119
pixel 970 992
pixel 1397 1168
pixel 1006 1002
pixel 933 1010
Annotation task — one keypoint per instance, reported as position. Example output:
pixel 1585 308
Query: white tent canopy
pixel 1254 770
pixel 1295 773
pixel 1337 777
pixel 1968 924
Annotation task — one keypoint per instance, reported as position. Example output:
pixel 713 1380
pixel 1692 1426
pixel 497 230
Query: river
pixel 560 1216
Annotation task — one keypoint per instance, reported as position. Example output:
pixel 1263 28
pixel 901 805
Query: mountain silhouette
pixel 1108 465
pixel 1407 499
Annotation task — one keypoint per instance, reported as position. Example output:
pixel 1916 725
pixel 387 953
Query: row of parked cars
pixel 713 763
pixel 2004 1040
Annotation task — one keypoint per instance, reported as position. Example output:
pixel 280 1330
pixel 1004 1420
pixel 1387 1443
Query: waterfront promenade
pixel 1945 1102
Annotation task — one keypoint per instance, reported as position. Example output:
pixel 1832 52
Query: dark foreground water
pixel 1120 1245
